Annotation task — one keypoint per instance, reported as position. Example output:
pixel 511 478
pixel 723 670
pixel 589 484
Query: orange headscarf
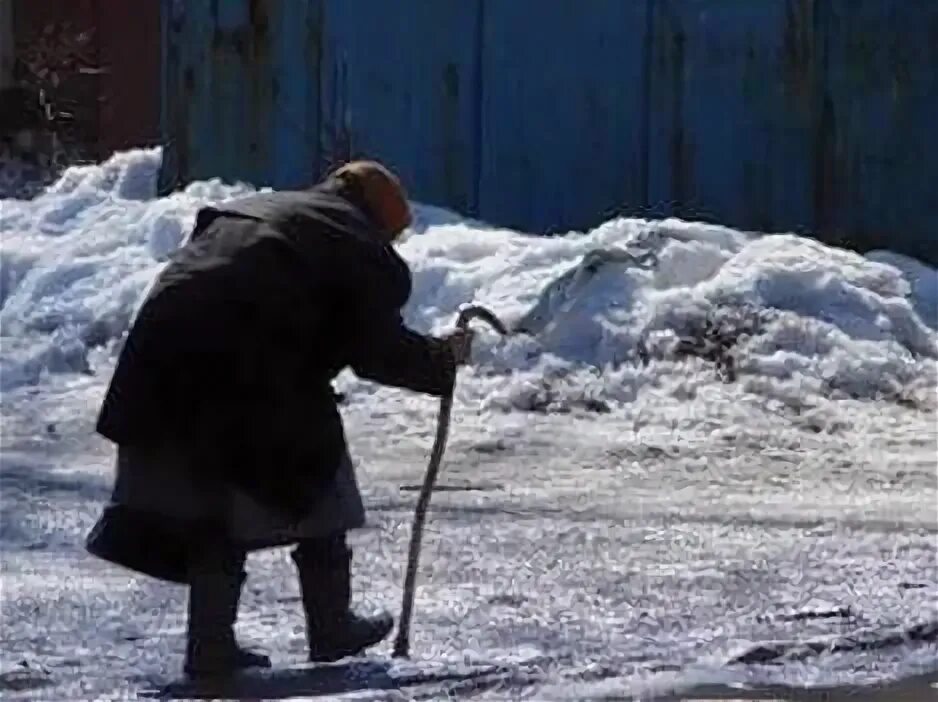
pixel 382 192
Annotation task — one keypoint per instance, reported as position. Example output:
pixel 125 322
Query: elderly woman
pixel 222 408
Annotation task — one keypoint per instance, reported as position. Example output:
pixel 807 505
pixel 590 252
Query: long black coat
pixel 233 352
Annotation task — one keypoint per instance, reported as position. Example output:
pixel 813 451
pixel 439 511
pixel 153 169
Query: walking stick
pixel 402 643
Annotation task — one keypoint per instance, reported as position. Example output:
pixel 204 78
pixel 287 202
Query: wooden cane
pixel 402 643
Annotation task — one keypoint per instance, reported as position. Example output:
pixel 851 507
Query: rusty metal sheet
pixel 187 113
pixel 128 37
pixel 877 142
pixel 781 115
pixel 296 56
pixel 562 113
pixel 53 42
pixel 241 99
pixel 107 102
pixel 732 104
pixel 6 44
pixel 400 83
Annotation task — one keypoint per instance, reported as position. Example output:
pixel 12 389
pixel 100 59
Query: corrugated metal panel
pixel 241 90
pixel 184 108
pixel 733 99
pixel 402 86
pixel 806 115
pixel 877 145
pixel 210 111
pixel 241 87
pixel 297 64
pixel 562 111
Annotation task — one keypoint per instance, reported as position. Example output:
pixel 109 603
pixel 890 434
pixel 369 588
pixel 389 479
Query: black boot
pixel 215 582
pixel 333 631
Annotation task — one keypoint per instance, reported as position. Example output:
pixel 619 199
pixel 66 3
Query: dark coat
pixel 233 352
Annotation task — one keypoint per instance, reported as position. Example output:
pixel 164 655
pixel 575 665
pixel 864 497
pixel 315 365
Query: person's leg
pixel 334 631
pixel 216 575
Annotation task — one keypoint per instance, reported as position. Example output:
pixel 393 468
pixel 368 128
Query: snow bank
pixel 636 304
pixel 922 278
pixel 632 305
pixel 76 261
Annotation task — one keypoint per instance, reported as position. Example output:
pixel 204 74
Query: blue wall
pixel 817 116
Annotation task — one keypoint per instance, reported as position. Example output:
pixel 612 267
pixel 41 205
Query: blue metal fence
pixel 809 115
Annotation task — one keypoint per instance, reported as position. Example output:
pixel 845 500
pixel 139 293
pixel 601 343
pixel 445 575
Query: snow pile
pixel 76 261
pixel 636 304
pixel 628 306
pixel 922 278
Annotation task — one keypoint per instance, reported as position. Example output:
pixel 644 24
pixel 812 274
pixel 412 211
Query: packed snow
pixel 693 433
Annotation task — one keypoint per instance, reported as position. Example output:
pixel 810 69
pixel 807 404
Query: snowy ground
pixel 709 446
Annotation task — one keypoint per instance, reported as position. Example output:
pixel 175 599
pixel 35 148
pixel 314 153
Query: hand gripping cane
pixel 467 313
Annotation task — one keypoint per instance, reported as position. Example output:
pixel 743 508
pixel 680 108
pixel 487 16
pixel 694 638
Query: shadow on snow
pixel 341 678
